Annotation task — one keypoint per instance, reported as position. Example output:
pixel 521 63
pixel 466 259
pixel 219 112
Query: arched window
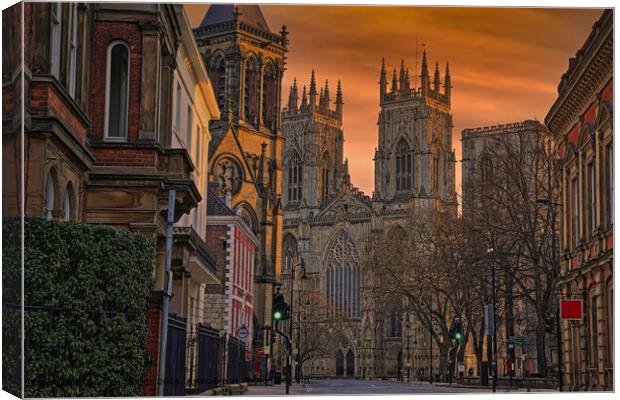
pixel 251 90
pixel 269 96
pixel 248 217
pixel 68 203
pixel 324 187
pixel 593 322
pixel 486 172
pixel 343 278
pixel 73 50
pixel 295 177
pixel 404 166
pixel 55 38
pixel 395 323
pixel 217 73
pixel 117 91
pixel 48 201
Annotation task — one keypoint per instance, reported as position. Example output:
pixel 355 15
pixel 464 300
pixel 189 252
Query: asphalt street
pixel 358 386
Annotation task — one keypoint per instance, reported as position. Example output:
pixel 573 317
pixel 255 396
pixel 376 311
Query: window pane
pixel 119 79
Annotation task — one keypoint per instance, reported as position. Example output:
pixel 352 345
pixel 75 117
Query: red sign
pixel 571 309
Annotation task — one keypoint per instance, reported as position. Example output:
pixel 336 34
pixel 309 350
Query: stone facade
pixel 582 116
pixel 245 62
pixel 328 221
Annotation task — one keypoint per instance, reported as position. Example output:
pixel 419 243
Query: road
pixel 355 386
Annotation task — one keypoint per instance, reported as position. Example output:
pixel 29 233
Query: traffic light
pixel 280 310
pixel 278 307
pixel 456 331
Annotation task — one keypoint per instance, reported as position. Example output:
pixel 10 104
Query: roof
pixel 217 206
pixel 250 13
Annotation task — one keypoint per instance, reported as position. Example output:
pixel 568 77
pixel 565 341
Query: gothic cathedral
pixel 245 62
pixel 328 221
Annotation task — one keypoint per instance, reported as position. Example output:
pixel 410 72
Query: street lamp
pixel 299 359
pixel 556 262
pixel 491 250
pixel 303 276
pixel 408 326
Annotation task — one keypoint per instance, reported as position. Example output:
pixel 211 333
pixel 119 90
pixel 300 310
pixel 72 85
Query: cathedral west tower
pixel 328 223
pixel 414 160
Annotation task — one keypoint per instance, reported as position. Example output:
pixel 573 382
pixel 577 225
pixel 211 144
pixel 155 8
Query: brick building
pixel 230 306
pixel 102 144
pixel 582 116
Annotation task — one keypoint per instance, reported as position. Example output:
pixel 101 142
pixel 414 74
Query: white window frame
pixel 55 37
pixel 73 51
pixel 197 149
pixel 188 128
pixel 177 114
pixel 107 91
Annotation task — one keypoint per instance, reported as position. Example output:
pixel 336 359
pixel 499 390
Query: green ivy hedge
pixel 87 289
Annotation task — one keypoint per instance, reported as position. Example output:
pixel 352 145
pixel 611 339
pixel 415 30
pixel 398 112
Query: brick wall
pixel 46 101
pixel 130 157
pixel 106 33
pixel 149 380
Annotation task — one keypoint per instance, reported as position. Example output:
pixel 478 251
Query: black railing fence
pixel 209 354
pixel 174 382
pixel 238 369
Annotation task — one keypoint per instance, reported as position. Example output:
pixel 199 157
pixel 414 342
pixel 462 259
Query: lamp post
pixel 408 326
pixel 430 343
pixel 303 269
pixel 556 263
pixel 494 333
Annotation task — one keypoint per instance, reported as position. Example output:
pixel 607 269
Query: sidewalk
pixel 490 388
pixel 276 390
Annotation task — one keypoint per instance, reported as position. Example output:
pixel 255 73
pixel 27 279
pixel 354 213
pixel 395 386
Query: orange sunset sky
pixel 505 63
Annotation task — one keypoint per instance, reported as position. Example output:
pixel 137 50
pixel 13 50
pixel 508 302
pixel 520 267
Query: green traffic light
pixel 458 336
pixel 277 315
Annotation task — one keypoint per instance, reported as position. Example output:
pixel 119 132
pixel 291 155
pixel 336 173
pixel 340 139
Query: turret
pixel 394 82
pixel 424 76
pixel 436 80
pixel 447 84
pixel 304 100
pixel 401 77
pixel 407 89
pixel 312 90
pixel 382 81
pixel 326 99
pixel 292 97
pixel 339 102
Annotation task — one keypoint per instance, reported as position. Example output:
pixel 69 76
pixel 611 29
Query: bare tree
pixel 514 206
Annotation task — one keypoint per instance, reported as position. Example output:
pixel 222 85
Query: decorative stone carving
pixel 228 175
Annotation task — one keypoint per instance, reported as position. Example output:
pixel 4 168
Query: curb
pixel 226 390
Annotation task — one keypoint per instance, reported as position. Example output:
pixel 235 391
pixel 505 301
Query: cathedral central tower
pixel 414 159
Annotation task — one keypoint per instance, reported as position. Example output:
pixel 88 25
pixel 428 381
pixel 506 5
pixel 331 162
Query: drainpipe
pixel 167 294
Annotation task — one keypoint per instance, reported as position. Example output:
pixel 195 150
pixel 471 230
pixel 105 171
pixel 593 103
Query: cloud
pixel 505 62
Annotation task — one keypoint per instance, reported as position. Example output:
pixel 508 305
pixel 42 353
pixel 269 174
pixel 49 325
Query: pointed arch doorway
pixel 339 363
pixel 350 363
